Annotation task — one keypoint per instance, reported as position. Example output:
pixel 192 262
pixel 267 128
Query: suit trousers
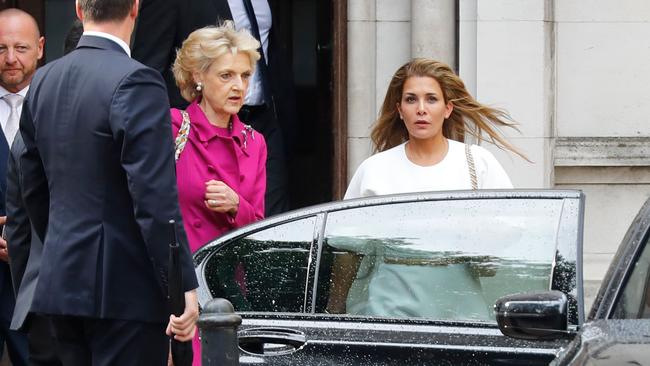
pixel 40 337
pixel 15 340
pixel 263 120
pixel 84 341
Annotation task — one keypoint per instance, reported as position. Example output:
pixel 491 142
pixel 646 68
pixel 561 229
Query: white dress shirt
pixel 117 40
pixel 255 94
pixel 5 110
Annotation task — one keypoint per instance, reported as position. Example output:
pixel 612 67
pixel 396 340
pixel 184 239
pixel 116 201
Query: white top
pixel 113 38
pixel 255 94
pixel 5 109
pixel 390 172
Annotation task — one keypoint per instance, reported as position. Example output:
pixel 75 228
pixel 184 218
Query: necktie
pixel 11 127
pixel 261 63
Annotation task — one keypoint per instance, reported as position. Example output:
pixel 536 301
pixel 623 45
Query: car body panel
pixel 349 342
pixel 609 342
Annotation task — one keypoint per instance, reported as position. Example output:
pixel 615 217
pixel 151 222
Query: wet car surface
pixel 609 342
pixel 408 279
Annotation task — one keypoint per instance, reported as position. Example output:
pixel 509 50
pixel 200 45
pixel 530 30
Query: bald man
pixel 21 46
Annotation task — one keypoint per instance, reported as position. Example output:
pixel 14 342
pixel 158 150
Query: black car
pixel 617 331
pixel 406 279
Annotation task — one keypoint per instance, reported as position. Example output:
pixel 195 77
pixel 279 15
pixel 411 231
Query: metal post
pixel 218 325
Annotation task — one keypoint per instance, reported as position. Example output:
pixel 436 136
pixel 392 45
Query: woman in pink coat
pixel 220 164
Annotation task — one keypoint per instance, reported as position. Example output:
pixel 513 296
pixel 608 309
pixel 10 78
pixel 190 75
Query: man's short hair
pixel 106 10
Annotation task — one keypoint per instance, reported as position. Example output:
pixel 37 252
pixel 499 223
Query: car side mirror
pixel 534 315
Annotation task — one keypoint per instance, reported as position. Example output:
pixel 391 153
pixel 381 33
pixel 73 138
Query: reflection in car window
pixel 265 271
pixel 635 300
pixel 447 260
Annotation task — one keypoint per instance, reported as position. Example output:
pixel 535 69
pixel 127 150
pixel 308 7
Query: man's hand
pixel 4 253
pixel 183 327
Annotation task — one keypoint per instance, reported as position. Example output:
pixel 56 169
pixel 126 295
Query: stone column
pixel 433 30
pixel 467 43
pixel 362 50
pixel 379 34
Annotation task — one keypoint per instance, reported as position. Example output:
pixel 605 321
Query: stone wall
pixel 573 73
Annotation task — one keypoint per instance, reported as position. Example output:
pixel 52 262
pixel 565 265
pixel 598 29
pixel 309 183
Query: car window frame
pixel 628 266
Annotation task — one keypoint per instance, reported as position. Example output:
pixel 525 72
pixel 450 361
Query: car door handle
pixel 271 341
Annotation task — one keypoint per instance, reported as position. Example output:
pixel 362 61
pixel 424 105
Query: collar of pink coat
pixel 206 131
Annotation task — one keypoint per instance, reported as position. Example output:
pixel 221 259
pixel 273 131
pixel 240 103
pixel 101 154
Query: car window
pixel 634 303
pixel 447 260
pixel 264 271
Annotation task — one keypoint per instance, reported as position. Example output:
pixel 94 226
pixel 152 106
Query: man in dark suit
pixel 26 252
pixel 99 189
pixel 270 104
pixel 21 46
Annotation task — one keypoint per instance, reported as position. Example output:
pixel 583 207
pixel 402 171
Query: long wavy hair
pixel 468 116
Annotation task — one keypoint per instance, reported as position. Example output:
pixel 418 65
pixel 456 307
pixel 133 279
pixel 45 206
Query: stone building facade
pixel 573 73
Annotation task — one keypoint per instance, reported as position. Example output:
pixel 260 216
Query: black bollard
pixel 218 325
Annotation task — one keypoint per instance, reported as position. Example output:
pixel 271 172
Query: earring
pixel 199 86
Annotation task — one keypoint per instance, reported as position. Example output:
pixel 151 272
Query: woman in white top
pixel 393 171
pixel 419 135
pixel 427 113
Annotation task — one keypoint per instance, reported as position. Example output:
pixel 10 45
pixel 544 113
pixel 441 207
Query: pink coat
pixel 237 158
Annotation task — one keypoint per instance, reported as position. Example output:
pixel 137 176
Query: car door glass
pixel 634 302
pixel 264 271
pixel 447 260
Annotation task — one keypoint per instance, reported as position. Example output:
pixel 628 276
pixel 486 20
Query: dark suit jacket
pixel 97 136
pixel 4 155
pixel 162 27
pixel 24 247
pixel 6 292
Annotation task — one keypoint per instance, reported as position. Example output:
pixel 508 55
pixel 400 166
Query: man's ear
pixel 41 44
pixel 135 10
pixel 77 8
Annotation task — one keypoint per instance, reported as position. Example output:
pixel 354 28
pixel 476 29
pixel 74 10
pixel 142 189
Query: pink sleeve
pixel 253 209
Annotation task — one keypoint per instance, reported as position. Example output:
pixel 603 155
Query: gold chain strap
pixel 470 165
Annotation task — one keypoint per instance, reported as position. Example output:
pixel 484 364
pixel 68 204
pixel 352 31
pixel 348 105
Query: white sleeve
pixel 354 188
pixel 491 174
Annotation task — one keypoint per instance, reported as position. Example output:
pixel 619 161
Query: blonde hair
pixel 468 116
pixel 203 46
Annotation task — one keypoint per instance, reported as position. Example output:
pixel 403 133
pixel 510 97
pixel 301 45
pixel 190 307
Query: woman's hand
pixel 221 198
